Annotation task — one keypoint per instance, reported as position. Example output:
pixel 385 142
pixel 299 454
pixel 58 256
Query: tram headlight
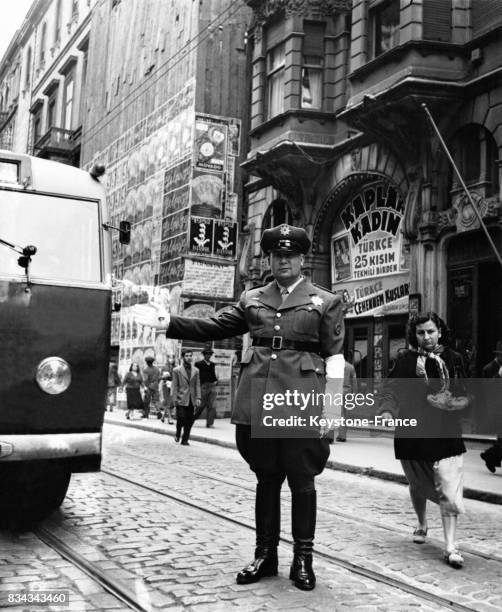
pixel 53 375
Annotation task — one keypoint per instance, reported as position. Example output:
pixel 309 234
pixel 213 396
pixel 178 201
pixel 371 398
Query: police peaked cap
pixel 285 238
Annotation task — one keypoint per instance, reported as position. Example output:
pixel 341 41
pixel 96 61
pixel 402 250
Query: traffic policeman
pixel 297 336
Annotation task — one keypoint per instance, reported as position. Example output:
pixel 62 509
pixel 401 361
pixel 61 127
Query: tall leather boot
pixel 268 527
pixel 303 519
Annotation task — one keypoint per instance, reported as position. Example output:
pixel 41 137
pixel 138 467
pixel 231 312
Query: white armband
pixel 335 366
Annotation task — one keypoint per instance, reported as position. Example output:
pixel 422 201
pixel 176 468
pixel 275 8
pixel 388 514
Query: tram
pixel 55 313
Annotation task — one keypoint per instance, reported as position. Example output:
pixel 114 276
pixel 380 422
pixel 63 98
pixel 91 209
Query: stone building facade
pixel 164 111
pixel 44 70
pixel 341 145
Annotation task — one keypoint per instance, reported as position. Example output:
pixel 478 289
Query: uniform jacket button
pixel 277 327
pixel 317 369
pixel 309 308
pixel 278 315
pixel 273 356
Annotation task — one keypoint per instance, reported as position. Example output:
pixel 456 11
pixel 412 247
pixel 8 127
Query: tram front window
pixel 65 232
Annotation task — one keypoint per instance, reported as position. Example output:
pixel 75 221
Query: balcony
pixel 56 144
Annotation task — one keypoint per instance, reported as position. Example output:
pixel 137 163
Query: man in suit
pixel 493 456
pixel 185 391
pixel 297 336
pixel 208 382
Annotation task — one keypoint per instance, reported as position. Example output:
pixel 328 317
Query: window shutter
pixel 313 43
pixel 485 15
pixel 437 20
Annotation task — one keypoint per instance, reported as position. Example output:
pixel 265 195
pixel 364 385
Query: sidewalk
pixel 371 455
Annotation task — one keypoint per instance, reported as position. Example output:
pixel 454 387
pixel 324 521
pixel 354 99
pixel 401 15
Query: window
pixel 475 153
pixel 278 212
pixel 275 80
pixel 28 68
pixel 43 36
pixel 68 102
pixel 57 29
pixel 312 69
pixel 384 26
pixel 37 127
pixel 51 112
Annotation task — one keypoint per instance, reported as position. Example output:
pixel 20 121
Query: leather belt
pixel 278 343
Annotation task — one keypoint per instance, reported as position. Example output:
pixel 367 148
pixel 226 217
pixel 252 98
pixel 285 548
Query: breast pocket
pixel 255 316
pixel 306 321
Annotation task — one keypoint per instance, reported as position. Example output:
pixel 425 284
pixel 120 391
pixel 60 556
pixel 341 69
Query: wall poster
pixel 369 257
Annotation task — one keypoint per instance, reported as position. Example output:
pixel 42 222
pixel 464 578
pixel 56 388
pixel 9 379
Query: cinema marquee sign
pixel 369 257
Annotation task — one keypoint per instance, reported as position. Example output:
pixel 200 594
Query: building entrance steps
pixel 367 453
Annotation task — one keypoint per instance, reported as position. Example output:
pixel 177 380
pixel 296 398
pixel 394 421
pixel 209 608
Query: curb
pixel 469 493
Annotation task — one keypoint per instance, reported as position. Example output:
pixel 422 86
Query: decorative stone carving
pixel 269 8
pixel 462 218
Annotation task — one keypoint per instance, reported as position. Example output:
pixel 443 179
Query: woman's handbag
pixel 445 400
pixel 458 399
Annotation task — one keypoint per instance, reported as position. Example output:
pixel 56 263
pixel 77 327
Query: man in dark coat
pixel 493 455
pixel 297 336
pixel 208 380
pixel 151 380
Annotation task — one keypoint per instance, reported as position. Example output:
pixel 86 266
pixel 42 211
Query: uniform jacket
pixel 309 314
pixel 184 389
pixel 411 398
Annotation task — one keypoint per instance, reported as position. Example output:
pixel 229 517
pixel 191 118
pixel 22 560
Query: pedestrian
pixel 185 390
pixel 111 387
pixel 493 456
pixel 297 336
pixel 349 386
pixel 208 382
pixel 151 381
pixel 133 382
pixel 431 456
pixel 166 396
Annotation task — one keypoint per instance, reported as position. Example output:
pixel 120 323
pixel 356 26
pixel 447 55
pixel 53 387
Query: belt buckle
pixel 277 343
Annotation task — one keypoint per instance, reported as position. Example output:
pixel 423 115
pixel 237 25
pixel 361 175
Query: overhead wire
pixel 163 69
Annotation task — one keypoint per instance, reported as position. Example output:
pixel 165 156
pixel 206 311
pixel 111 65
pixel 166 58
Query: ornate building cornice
pixel 266 9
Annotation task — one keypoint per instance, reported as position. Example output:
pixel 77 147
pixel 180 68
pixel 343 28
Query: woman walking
pixel 132 383
pixel 431 453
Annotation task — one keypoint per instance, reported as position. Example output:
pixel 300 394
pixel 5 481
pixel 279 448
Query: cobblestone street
pixel 182 551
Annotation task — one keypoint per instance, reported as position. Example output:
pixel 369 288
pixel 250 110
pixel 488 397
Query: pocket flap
pixel 312 363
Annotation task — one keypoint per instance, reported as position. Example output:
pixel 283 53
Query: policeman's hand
pixel 153 314
pixel 324 432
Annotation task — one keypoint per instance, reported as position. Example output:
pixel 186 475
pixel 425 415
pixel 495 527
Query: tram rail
pixel 139 601
pixel 321 551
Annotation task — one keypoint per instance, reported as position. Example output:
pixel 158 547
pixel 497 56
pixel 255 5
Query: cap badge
pixel 285 231
pixel 317 300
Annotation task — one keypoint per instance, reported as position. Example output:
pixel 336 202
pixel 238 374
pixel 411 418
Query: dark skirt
pixel 134 400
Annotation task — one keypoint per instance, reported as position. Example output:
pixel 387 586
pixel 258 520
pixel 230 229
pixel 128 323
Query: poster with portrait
pixel 341 258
